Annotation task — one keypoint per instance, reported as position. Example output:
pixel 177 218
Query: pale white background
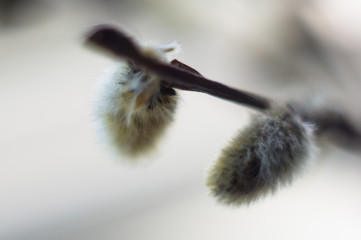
pixel 58 182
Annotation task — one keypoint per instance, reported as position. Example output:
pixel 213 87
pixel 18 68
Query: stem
pixel 178 75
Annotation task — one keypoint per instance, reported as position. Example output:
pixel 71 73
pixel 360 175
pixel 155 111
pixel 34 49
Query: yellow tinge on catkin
pixel 134 108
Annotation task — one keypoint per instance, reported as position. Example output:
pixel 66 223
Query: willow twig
pixel 120 45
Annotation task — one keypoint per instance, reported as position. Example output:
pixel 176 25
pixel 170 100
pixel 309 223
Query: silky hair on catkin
pixel 133 107
pixel 267 154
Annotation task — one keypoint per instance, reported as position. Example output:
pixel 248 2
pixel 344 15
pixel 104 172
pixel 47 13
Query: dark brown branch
pixel 181 76
pixel 178 75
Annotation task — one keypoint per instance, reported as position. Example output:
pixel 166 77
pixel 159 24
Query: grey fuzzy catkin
pixel 133 108
pixel 265 155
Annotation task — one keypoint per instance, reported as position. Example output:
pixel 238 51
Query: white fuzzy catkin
pixel 133 108
pixel 265 155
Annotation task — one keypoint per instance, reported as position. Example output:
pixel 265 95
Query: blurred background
pixel 57 181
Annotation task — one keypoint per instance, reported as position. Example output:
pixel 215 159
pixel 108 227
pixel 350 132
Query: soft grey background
pixel 58 182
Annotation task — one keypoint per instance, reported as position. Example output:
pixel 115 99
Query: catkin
pixel 133 108
pixel 265 155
